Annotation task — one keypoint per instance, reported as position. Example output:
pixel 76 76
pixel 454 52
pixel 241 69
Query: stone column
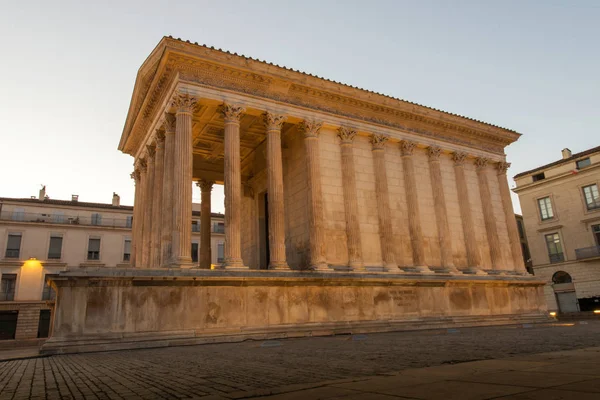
pixel 273 125
pixel 233 187
pixel 355 260
pixel 147 255
pixel 386 235
pixel 439 203
pixel 141 212
pixel 488 213
pixel 509 216
pixel 473 256
pixel 182 181
pixel 135 175
pixel 157 207
pixel 205 223
pixel 316 227
pixel 167 192
pixel 412 202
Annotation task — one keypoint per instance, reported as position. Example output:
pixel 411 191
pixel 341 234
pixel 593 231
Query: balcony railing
pixel 50 218
pixel 587 252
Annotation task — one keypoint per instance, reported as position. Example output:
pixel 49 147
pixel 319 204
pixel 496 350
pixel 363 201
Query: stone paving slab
pixel 553 360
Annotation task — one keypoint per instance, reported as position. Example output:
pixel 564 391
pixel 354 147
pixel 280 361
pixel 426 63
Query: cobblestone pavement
pixel 243 370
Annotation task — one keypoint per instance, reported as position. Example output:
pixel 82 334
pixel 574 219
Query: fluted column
pixel 316 227
pixel 473 256
pixel 509 216
pixel 167 193
pixel 439 203
pixel 233 187
pixel 412 202
pixel 135 175
pixel 386 235
pixel 355 259
pixel 488 213
pixel 141 212
pixel 182 181
pixel 205 214
pixel 147 255
pixel 157 208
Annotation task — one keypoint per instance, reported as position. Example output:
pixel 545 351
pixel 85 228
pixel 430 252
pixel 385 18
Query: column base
pixel 453 270
pixel 423 269
pixel 392 268
pixel 232 265
pixel 279 266
pixel 475 271
pixel 357 267
pixel 320 266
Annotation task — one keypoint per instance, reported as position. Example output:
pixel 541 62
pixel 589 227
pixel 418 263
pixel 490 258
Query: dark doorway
pixel 195 252
pixel 8 324
pixel 44 325
pixel 263 227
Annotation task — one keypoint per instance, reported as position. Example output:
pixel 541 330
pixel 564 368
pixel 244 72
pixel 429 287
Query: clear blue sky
pixel 68 67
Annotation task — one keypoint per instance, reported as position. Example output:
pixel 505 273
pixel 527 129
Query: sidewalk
pixel 559 375
pixel 19 353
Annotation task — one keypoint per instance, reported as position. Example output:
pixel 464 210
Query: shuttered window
pixel 13 245
pixel 55 248
pixel 93 249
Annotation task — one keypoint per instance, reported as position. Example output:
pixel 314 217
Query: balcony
pixel 17 216
pixel 587 252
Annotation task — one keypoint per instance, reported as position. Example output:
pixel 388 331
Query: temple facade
pixel 318 175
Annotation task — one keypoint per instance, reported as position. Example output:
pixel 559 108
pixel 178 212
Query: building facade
pixel 40 237
pixel 560 202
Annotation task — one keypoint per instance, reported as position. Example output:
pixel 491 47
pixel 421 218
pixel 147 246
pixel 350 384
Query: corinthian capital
pixel 169 123
pixel 231 112
pixel 407 147
pixel 151 151
pixel 273 122
pixel 135 175
pixel 459 157
pixel 434 153
pixel 481 162
pixel 346 134
pixel 205 185
pixel 184 103
pixel 160 139
pixel 378 141
pixel 141 165
pixel 310 128
pixel 502 167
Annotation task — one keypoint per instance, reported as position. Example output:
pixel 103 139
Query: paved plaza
pixel 550 361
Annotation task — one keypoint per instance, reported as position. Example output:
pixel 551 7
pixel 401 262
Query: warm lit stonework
pixel 360 208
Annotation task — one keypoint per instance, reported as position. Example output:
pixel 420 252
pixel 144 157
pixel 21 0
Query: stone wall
pixel 29 317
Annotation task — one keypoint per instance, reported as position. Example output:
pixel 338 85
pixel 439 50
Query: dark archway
pixel 561 277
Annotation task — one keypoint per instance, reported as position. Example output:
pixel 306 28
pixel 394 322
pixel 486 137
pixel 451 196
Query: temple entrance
pixel 263 226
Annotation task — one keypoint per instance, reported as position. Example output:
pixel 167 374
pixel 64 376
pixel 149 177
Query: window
pixel 93 249
pixel 555 251
pixel 13 245
pixel 583 163
pixel 195 252
pixel 520 227
pixel 592 198
pixel 96 219
pixel 55 248
pixel 596 232
pixel 58 217
pixel 127 250
pixel 220 252
pixel 195 226
pixel 48 293
pixel 7 287
pixel 538 177
pixel 129 221
pixel 219 227
pixel 18 214
pixel 546 211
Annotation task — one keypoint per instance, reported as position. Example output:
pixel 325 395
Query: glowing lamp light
pixel 32 263
pixel 553 313
pixel 596 311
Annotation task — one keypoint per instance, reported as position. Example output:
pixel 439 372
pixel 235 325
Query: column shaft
pixel 473 256
pixel 488 213
pixel 157 207
pixel 233 187
pixel 148 226
pixel 167 192
pixel 439 203
pixel 412 202
pixel 315 196
pixel 135 223
pixel 182 179
pixel 386 235
pixel 355 260
pixel 140 238
pixel 277 257
pixel 205 223
pixel 511 222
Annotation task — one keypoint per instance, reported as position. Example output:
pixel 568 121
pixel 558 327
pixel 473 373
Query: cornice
pixel 216 69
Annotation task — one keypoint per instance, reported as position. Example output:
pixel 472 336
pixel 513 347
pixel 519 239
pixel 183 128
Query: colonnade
pixel 163 197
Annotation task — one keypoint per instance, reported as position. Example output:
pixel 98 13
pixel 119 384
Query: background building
pixel 524 244
pixel 40 237
pixel 560 202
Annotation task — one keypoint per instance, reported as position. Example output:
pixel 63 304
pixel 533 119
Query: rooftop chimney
pixel 74 197
pixel 116 202
pixel 566 153
pixel 42 193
